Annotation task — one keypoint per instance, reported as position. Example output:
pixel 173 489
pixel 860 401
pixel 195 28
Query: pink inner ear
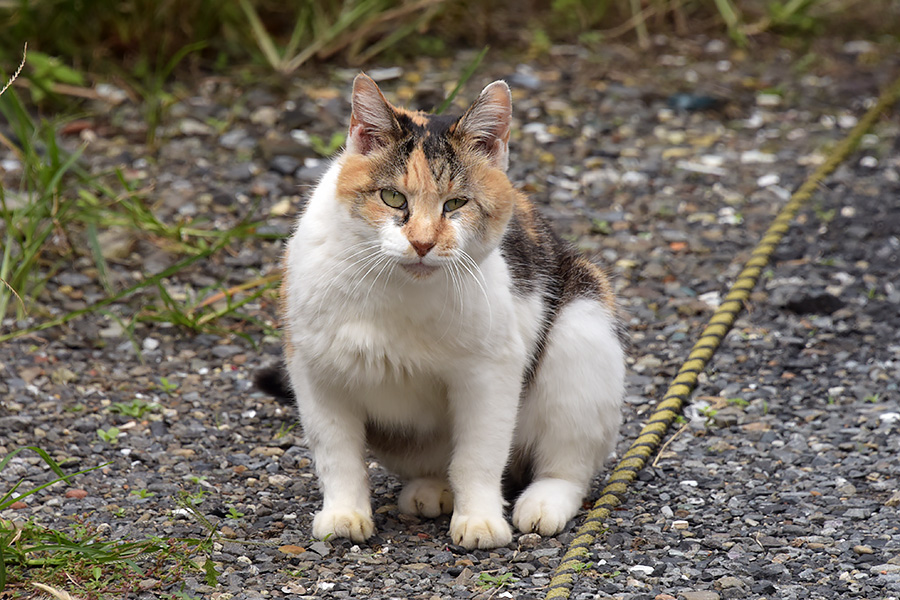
pixel 372 120
pixel 360 140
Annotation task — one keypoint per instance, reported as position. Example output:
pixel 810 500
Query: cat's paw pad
pixel 344 523
pixel 475 531
pixel 428 497
pixel 546 506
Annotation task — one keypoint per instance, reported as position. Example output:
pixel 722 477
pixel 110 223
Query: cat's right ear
pixel 372 120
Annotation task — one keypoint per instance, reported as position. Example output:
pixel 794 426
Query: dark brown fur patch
pixel 540 262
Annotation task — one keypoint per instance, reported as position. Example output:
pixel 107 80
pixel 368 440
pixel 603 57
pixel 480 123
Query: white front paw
pixel 546 506
pixel 428 497
pixel 345 523
pixel 479 531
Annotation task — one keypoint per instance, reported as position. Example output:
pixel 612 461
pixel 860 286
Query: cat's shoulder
pixel 539 259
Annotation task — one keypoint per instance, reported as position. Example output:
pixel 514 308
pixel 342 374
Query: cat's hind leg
pixel 570 416
pixel 426 496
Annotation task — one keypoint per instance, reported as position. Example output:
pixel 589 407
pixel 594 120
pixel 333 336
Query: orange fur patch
pixel 355 176
pixel 602 283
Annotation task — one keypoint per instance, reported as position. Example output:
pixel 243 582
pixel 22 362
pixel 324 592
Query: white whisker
pixel 469 264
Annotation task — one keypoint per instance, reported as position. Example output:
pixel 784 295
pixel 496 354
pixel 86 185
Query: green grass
pixel 57 204
pixel 488 581
pixel 141 39
pixel 83 561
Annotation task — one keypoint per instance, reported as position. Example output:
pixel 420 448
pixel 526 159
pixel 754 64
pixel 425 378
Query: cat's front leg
pixel 483 405
pixel 336 435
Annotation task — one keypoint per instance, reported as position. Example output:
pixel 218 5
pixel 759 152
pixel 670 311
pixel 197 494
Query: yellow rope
pixel 686 380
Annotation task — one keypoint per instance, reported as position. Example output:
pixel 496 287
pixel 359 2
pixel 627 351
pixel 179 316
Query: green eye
pixel 456 203
pixel 393 198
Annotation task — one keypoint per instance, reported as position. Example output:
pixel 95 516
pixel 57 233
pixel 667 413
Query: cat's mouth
pixel 419 269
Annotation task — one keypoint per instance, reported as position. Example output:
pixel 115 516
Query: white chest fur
pixel 390 341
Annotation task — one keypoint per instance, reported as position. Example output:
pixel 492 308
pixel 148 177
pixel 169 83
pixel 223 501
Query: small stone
pixel 192 127
pixel 76 493
pixel 768 100
pixel 752 157
pixel 320 548
pixel 642 569
pixel 680 524
pixel 859 47
pixel 228 532
pixel 150 344
pixel 768 180
pixel 17 505
pixel 266 116
pixel 291 549
pixel 664 597
pixel 729 582
pixel 699 595
pixel 385 74
pixel 225 350
pixel 286 165
pixel 116 242
pixel 281 208
pixel 148 584
pixel 529 540
pixel 893 501
pixel 63 376
pixel 863 549
pixel 280 481
pixel 232 139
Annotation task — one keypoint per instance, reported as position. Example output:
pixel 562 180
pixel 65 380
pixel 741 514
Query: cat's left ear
pixel 487 123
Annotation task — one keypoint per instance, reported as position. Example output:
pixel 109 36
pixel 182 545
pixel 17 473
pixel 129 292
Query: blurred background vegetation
pixel 144 48
pixel 151 38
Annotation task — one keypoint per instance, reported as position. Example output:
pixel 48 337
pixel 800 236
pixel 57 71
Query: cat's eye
pixel 393 198
pixel 456 203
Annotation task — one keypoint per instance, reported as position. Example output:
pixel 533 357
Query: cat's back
pixel 541 262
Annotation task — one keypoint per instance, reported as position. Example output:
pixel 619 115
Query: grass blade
pixel 469 71
pixel 262 37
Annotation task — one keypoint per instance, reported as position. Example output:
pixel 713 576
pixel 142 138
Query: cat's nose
pixel 422 248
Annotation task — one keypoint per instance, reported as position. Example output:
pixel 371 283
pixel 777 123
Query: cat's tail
pixel 274 381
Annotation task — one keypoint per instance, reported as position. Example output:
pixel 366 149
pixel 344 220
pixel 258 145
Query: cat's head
pixel 431 189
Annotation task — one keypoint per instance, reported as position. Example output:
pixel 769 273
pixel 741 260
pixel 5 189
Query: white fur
pixel 443 356
pixel 570 420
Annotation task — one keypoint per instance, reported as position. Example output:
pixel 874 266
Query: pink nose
pixel 422 248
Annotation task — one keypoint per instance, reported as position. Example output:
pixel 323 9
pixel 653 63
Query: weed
pixel 193 498
pixel 486 580
pixel 285 429
pixel 136 409
pixel 142 493
pixel 463 78
pixel 873 398
pixel 110 436
pixel 81 559
pixel 738 402
pixel 582 566
pixel 297 573
pixel 166 386
pixel 611 574
pixel 708 412
pixel 234 513
pixel 328 148
pixel 602 227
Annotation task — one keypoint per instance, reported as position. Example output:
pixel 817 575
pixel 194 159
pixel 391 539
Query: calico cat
pixel 432 315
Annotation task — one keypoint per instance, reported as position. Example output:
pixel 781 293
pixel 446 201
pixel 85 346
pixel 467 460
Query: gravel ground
pixel 783 480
